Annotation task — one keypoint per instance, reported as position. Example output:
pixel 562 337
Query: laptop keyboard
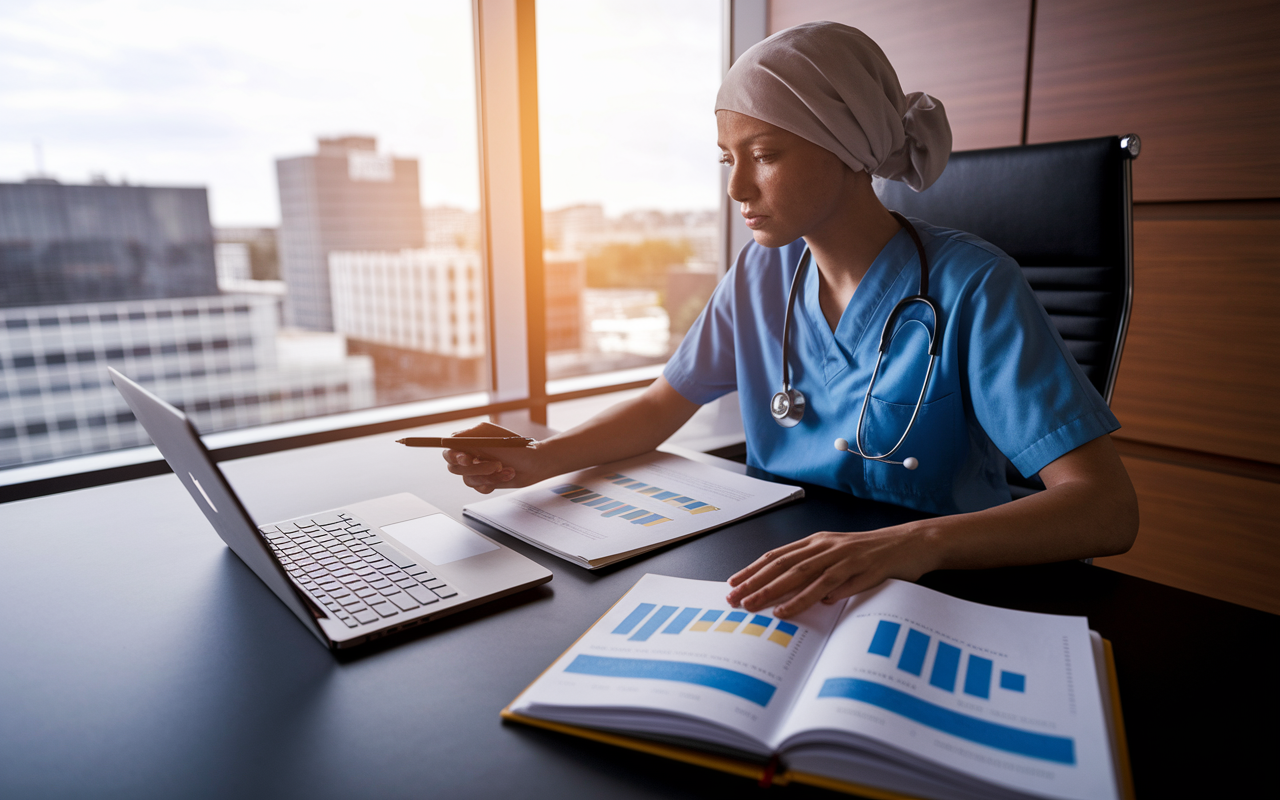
pixel 350 570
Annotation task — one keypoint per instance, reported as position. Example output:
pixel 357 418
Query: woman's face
pixel 788 187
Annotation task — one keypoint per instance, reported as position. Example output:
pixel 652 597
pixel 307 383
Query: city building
pixel 447 228
pixel 565 276
pixel 71 243
pixel 419 314
pixel 216 357
pixel 626 322
pixel 346 197
pixel 574 228
pixel 431 301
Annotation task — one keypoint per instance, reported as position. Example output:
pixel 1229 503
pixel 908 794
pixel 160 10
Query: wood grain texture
pixel 1201 366
pixel 1205 532
pixel 1198 81
pixel 970 54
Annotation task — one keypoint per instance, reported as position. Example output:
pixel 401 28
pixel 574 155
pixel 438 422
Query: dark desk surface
pixel 142 659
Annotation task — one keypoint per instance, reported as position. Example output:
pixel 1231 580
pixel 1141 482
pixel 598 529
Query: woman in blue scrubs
pixel 805 119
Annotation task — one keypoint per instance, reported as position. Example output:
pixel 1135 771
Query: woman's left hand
pixel 830 566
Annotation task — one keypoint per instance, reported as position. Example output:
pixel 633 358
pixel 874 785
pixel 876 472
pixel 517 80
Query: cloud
pixel 211 93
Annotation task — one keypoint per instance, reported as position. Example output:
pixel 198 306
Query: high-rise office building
pixel 125 276
pixel 73 244
pixel 346 197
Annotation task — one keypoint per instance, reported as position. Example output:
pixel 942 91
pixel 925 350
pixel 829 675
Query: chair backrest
pixel 1064 211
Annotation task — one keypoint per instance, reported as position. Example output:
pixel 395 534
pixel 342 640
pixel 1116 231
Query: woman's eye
pixel 726 161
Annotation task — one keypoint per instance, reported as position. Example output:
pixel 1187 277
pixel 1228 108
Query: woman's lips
pixel 754 221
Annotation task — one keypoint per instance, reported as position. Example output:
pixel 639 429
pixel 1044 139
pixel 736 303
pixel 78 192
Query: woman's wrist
pixel 928 544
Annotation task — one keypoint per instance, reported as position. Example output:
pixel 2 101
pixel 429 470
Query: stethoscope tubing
pixel 857 433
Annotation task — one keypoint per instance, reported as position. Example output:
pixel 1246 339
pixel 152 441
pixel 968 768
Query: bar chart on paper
pixel 608 506
pixel 724 631
pixel 689 504
pixel 643 622
pixel 908 653
pixel 617 507
pixel 946 662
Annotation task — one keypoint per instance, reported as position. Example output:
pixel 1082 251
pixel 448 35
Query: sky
pixel 202 93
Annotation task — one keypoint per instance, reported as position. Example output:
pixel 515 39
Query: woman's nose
pixel 739 187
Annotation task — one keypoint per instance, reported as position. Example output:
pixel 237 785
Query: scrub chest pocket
pixel 938 440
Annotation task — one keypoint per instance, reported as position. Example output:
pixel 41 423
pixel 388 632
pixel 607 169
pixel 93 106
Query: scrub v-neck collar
pixel 840 345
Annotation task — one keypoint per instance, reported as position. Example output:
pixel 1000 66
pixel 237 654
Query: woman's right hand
pixel 487 468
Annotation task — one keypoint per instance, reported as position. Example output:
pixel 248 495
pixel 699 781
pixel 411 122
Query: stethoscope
pixel 787 406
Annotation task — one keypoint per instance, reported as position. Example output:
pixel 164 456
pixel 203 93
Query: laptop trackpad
pixel 439 538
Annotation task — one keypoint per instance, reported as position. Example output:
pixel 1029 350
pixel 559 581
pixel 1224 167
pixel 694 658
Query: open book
pixel 898 691
pixel 600 516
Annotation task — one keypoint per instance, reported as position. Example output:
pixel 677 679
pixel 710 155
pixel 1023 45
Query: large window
pixel 630 177
pixel 264 210
pixel 298 220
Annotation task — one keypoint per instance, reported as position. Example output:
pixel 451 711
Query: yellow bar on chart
pixel 704 624
pixel 731 622
pixel 757 625
pixel 783 633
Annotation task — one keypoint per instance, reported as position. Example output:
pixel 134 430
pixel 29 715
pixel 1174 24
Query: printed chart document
pixel 898 691
pixel 599 516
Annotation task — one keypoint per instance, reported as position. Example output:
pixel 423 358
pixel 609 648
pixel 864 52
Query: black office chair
pixel 1064 211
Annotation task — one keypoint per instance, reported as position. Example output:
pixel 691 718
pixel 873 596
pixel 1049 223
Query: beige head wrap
pixel 832 85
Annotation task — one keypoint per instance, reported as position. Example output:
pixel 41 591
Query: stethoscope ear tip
pixel 910 462
pixel 842 445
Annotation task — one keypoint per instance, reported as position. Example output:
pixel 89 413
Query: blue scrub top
pixel 1004 384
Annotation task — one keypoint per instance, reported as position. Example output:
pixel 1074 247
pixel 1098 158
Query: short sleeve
pixel 704 366
pixel 1026 390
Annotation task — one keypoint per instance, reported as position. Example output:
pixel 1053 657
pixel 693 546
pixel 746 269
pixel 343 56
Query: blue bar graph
pixel 946 663
pixel 913 652
pixel 977 678
pixel 633 619
pixel 740 684
pixel 1013 681
pixel 682 619
pixel 650 627
pixel 1058 749
pixel 885 637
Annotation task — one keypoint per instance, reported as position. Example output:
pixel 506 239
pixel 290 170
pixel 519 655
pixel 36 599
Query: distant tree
pixel 643 265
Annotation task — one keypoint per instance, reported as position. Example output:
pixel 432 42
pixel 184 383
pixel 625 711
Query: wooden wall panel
pixel 1206 532
pixel 970 54
pixel 1198 81
pixel 1201 366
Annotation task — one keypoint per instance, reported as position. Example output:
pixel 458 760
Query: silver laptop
pixel 350 574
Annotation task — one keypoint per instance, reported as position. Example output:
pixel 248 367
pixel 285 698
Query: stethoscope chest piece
pixel 787 407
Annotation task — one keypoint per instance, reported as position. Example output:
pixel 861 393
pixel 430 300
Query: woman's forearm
pixel 627 429
pixel 1081 517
